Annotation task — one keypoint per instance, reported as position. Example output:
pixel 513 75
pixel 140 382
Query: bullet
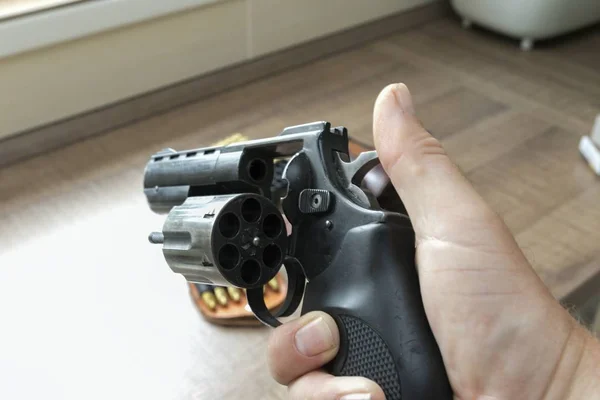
pixel 221 295
pixel 207 295
pixel 274 285
pixel 234 294
pixel 209 299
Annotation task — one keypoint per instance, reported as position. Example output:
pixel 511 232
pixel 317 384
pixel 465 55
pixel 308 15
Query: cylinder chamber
pixel 227 240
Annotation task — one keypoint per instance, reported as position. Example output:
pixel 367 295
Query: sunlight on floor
pixel 16 8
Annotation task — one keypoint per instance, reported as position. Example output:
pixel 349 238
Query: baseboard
pixel 62 133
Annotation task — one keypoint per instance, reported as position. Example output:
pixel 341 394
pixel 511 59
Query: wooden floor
pixel 89 308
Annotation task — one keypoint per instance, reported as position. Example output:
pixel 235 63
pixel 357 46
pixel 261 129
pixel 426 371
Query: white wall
pixel 61 80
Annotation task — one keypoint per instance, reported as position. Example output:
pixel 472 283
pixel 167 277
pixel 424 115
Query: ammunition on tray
pixel 273 284
pixel 234 294
pixel 207 295
pixel 221 295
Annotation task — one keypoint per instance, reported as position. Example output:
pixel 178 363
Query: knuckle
pixel 423 152
pixel 426 145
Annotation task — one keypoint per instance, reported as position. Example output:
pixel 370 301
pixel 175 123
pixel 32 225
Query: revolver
pixel 348 252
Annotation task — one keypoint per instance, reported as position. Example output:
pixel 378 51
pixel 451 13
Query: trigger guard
pixel 296 283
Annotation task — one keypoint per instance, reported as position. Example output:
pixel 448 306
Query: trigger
pixel 296 283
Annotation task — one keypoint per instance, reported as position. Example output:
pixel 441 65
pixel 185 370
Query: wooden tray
pixel 238 313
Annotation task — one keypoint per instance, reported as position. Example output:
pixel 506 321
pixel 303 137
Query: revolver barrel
pixel 171 177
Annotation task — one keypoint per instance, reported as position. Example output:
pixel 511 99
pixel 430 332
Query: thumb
pixel 431 187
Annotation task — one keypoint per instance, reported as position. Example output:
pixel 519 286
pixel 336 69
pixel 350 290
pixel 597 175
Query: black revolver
pixel 346 255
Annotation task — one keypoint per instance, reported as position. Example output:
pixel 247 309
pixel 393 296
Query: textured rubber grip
pixel 371 288
pixel 368 355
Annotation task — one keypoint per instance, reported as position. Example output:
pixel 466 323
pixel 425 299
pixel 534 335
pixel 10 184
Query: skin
pixel 501 333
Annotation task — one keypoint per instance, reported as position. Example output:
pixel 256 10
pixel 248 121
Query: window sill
pixel 78 20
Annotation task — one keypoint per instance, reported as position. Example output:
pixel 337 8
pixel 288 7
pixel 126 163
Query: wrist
pixel 584 383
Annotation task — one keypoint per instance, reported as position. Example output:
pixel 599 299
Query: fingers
pixel 301 346
pixel 318 385
pixel 429 184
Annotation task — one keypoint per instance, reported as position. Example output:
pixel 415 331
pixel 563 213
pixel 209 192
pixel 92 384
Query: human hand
pixel 501 333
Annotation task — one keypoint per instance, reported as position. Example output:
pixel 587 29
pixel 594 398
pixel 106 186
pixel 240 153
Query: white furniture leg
pixel 526 44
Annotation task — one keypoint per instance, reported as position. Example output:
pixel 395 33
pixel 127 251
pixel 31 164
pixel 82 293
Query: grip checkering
pixel 368 356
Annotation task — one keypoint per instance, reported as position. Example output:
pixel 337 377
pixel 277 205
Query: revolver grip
pixel 372 291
